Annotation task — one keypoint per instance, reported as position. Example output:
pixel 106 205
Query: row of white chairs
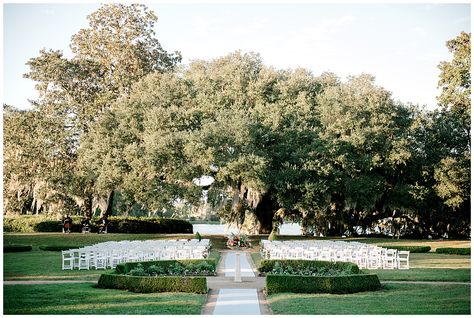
pixel 364 255
pixel 110 254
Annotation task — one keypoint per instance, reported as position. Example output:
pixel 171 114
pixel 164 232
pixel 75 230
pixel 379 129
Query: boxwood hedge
pixel 317 284
pixel 58 248
pixel 16 248
pixel 454 250
pixel 116 225
pixel 411 249
pixel 125 268
pixel 268 265
pixel 143 284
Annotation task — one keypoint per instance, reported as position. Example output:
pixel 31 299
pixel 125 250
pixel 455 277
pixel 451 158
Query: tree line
pixel 123 124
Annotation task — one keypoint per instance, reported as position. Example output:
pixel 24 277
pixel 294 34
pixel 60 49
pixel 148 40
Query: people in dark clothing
pixel 102 224
pixel 85 225
pixel 67 224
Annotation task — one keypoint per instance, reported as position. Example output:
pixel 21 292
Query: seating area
pixel 364 255
pixel 109 254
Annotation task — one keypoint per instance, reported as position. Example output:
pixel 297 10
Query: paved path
pixel 245 268
pixel 241 301
pixel 227 297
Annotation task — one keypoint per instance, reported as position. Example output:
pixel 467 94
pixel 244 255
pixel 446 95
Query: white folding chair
pixel 276 253
pixel 68 259
pixel 403 260
pixel 374 259
pixel 100 260
pixel 84 258
pixel 389 259
pixel 182 253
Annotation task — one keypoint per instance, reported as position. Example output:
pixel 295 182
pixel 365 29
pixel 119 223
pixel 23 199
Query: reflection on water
pixel 221 229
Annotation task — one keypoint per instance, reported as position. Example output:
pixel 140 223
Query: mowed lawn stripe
pixel 85 298
pixel 394 299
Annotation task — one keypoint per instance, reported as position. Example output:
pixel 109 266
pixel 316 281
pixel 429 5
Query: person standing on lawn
pixel 67 224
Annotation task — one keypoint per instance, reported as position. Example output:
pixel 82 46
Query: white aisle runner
pixel 237 302
pixel 245 268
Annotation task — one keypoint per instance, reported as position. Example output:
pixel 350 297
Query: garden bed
pixel 188 276
pixel 305 276
pixel 170 267
pixel 307 267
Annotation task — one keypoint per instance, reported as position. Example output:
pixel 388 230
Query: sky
pixel 400 44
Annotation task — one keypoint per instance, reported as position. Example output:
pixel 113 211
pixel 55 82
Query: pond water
pixel 221 229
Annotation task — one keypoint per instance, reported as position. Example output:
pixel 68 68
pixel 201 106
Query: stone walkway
pixel 227 297
pixel 245 268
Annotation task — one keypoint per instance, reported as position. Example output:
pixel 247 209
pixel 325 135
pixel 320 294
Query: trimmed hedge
pixel 16 248
pixel 57 248
pixel 454 250
pixel 152 225
pixel 125 268
pixel 411 249
pixel 22 224
pixel 314 284
pixel 116 225
pixel 143 284
pixel 267 265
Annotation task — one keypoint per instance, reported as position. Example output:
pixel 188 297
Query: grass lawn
pixel 41 265
pixel 46 265
pixel 79 239
pixel 435 260
pixel 393 299
pixel 425 274
pixel 84 298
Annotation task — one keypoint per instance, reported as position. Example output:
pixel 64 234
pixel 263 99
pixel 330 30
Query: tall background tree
pixel 121 126
pixel 117 49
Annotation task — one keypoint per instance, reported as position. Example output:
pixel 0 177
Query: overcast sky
pixel 400 44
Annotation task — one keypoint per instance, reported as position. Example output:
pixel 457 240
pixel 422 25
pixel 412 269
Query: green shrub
pixel 411 249
pixel 138 271
pixel 269 265
pixel 50 226
pixel 16 248
pixel 273 236
pixel 57 248
pixel 139 284
pixel 115 225
pixel 22 223
pixel 170 267
pixel 198 236
pixel 454 250
pixel 314 284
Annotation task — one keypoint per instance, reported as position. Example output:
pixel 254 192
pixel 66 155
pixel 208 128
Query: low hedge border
pixel 24 224
pixel 143 284
pixel 57 248
pixel 454 250
pixel 16 248
pixel 267 265
pixel 125 268
pixel 314 284
pixel 411 249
